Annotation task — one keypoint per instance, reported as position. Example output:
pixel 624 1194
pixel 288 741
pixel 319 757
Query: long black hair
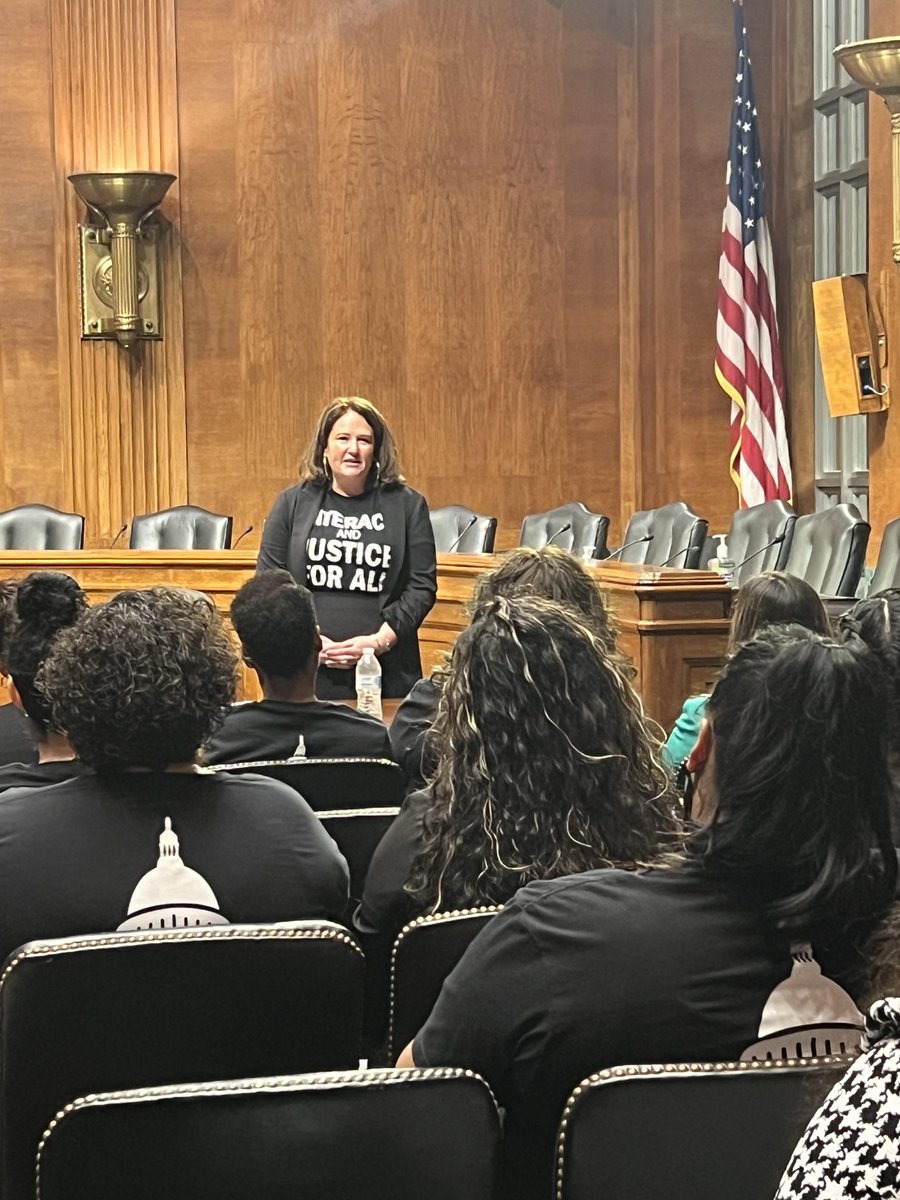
pixel 46 603
pixel 546 763
pixel 802 781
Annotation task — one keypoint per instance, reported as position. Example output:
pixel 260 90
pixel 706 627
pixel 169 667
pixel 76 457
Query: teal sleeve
pixel 687 729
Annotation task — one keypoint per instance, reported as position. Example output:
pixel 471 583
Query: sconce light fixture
pixel 875 63
pixel 119 257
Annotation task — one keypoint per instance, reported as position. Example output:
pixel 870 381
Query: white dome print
pixel 172 896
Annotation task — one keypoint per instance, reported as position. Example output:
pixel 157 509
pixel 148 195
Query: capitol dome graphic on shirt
pixel 172 896
pixel 807 1015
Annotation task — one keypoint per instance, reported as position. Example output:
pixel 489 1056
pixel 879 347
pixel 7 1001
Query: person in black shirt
pixel 16 744
pixel 46 602
pixel 551 573
pixel 545 766
pixel 150 839
pixel 716 955
pixel 361 541
pixel 274 618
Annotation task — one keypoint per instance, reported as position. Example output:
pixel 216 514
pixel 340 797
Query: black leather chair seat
pixel 688 1131
pixel 38 527
pixel 571 527
pixel 363 1135
pixel 458 530
pixel 828 550
pixel 130 1010
pixel 333 782
pixel 673 531
pixel 185 527
pixel 425 952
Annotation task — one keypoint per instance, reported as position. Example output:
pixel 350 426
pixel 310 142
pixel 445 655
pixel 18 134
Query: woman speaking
pixel 360 540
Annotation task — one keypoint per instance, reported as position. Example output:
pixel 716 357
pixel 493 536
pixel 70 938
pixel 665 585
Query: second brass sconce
pixel 875 63
pixel 119 256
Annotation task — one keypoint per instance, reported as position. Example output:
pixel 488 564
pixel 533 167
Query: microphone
pixel 562 529
pixel 683 550
pixel 776 541
pixel 249 529
pixel 648 537
pixel 118 535
pixel 460 536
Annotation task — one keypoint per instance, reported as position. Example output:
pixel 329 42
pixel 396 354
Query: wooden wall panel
pixel 686 87
pixel 30 433
pixel 114 108
pixel 499 219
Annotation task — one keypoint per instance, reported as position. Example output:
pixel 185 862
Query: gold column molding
pixel 875 64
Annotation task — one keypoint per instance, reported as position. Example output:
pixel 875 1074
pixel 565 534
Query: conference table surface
pixel 673 623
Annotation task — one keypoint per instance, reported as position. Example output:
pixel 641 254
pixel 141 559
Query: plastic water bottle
pixel 368 684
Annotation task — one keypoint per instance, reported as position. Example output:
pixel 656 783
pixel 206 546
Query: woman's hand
pixel 347 654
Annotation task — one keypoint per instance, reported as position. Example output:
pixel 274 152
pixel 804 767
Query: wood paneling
pixel 498 219
pixel 114 108
pixel 30 430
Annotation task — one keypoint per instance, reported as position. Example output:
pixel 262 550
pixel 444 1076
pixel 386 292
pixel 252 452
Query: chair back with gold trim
pixel 363 1135
pixel 425 952
pixel 130 1010
pixel 688 1130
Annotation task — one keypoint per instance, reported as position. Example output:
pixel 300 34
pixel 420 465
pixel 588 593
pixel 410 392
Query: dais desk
pixel 672 623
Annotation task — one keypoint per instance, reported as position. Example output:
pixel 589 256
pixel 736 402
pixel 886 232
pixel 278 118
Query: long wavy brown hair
pixel 546 763
pixel 386 460
pixel 554 574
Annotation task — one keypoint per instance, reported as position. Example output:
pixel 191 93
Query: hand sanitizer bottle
pixel 723 562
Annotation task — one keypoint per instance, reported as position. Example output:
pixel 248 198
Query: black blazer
pixel 410 586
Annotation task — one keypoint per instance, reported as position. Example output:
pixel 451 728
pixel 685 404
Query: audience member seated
pixel 851 1145
pixel 274 618
pixel 545 767
pixel 551 573
pixel 150 840
pixel 755 928
pixel 16 745
pixel 877 621
pixel 770 598
pixel 46 602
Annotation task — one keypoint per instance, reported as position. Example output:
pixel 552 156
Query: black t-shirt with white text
pixel 347 555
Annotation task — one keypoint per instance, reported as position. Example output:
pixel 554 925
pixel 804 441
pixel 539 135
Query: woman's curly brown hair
pixel 141 681
pixel 546 763
pixel 553 574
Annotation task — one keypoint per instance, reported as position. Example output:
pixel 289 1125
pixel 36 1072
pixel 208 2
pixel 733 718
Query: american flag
pixel 748 356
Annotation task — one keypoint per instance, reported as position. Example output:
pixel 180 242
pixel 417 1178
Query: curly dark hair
pixel 386 461
pixel 877 621
pixel 8 588
pixel 276 622
pixel 546 764
pixel 46 602
pixel 554 574
pixel 141 681
pixel 801 779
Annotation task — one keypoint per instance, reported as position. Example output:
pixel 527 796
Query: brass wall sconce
pixel 875 63
pixel 119 258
